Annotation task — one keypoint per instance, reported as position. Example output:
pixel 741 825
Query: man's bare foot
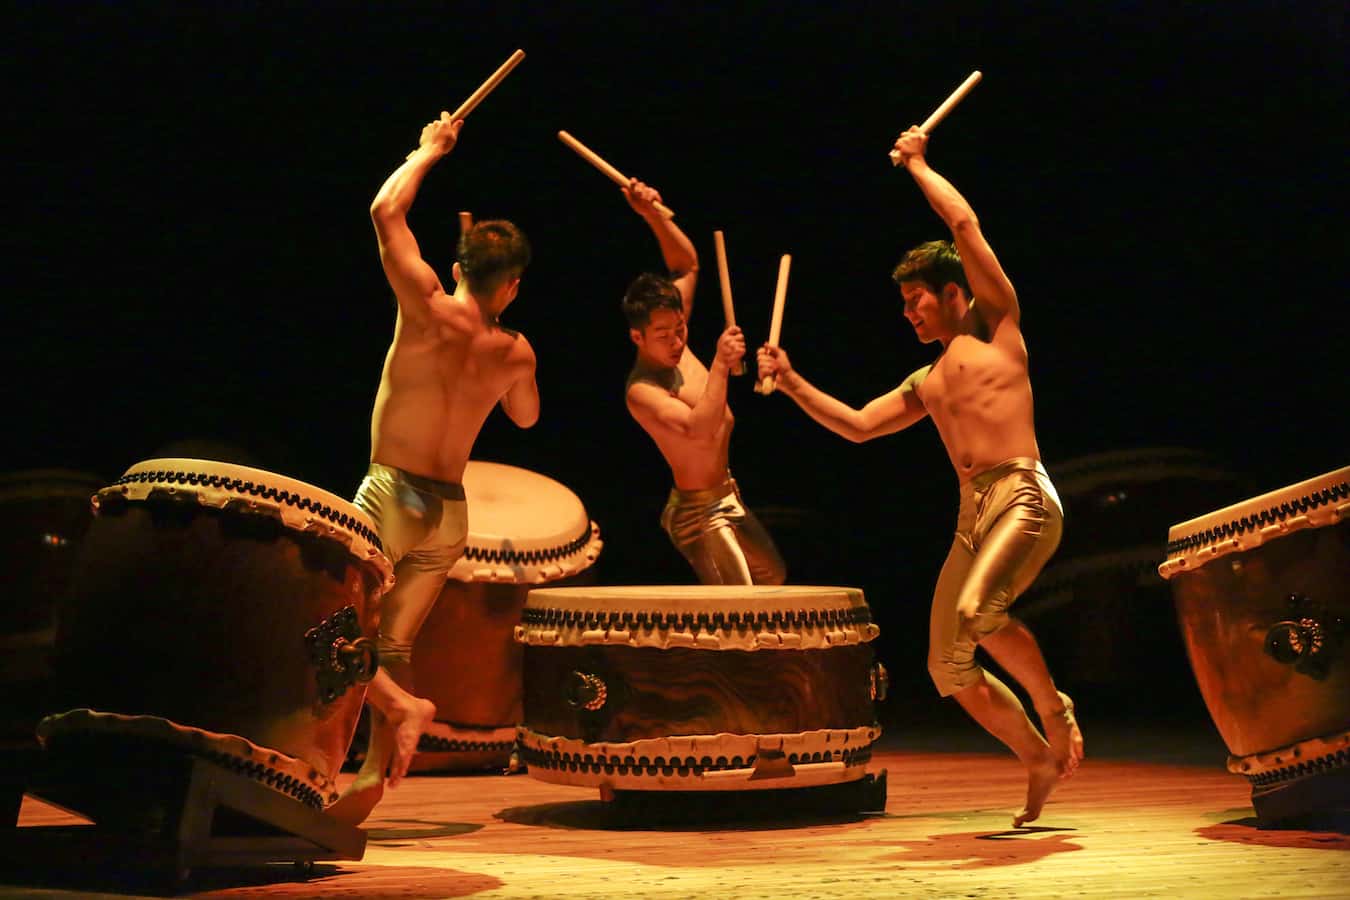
pixel 356 803
pixel 1041 780
pixel 1064 736
pixel 408 717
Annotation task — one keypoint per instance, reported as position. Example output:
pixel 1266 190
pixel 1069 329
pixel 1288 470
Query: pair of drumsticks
pixel 766 385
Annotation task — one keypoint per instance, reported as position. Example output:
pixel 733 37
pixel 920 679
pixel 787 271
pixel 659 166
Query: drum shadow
pixel 1329 832
pixel 663 813
pixel 270 880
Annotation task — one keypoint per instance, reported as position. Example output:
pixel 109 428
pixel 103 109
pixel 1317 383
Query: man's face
pixel 663 339
pixel 923 309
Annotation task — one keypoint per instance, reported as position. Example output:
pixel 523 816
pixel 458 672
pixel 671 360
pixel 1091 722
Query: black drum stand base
pixel 157 815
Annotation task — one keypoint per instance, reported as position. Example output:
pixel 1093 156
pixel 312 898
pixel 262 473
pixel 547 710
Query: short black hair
pixel 935 263
pixel 491 253
pixel 648 293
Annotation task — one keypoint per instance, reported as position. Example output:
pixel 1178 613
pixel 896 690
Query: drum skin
pixel 525 529
pixel 206 593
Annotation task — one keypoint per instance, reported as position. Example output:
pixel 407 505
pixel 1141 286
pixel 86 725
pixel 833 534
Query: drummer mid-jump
pixel 682 405
pixel 449 364
pixel 978 394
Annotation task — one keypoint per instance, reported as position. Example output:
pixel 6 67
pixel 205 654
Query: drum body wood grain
pixel 699 688
pixel 226 600
pixel 525 529
pixel 1262 592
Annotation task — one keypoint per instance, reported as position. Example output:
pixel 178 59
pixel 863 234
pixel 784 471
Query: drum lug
pixel 1303 640
pixel 878 681
pixel 341 656
pixel 585 691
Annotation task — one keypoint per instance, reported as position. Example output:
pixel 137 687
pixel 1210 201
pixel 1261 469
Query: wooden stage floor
pixel 1148 815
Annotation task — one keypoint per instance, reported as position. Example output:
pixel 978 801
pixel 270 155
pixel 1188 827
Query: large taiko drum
pixel 222 611
pixel 525 529
pixel 699 688
pixel 1262 592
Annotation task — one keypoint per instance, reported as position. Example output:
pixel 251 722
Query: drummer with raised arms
pixel 682 405
pixel 449 365
pixel 978 394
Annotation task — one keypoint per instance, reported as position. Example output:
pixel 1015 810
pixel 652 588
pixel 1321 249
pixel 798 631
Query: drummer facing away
pixel 978 394
pixel 682 405
pixel 449 364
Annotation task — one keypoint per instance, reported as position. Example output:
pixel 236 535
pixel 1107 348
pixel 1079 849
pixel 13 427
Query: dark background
pixel 189 254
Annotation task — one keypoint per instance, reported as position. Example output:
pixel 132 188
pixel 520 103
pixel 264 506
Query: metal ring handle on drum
pixel 341 656
pixel 878 681
pixel 1308 639
pixel 583 690
pixel 359 658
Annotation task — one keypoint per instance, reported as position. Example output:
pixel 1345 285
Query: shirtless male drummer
pixel 978 394
pixel 449 364
pixel 682 405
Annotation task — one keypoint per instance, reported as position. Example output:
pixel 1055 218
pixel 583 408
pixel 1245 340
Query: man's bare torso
pixel 439 384
pixel 694 463
pixel 978 394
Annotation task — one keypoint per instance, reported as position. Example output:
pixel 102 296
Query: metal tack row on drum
pixel 1262 593
pixel 659 688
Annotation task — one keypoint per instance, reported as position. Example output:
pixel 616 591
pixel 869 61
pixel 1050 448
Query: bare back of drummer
pixel 450 362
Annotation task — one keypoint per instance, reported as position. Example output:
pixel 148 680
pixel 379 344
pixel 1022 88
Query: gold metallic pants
pixel 722 540
pixel 1008 527
pixel 423 524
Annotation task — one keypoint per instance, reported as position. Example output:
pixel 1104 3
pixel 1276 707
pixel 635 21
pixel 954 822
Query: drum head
pixel 712 617
pixel 524 527
pixel 299 506
pixel 1315 503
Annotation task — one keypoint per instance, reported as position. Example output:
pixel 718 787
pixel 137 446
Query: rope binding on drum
pixel 547 554
pixel 253 489
pixel 699 621
pixel 1297 506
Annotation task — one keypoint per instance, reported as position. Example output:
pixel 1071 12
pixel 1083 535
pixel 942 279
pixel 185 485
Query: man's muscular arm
pixel 654 407
pixel 994 293
pixel 676 249
pixel 887 414
pixel 521 400
pixel 413 280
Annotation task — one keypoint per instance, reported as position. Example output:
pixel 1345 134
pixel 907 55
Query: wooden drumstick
pixel 465 221
pixel 769 383
pixel 941 112
pixel 486 87
pixel 728 311
pixel 612 173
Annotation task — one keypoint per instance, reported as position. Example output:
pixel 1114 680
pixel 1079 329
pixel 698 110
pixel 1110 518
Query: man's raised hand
pixel 773 362
pixel 731 347
pixel 642 197
pixel 441 134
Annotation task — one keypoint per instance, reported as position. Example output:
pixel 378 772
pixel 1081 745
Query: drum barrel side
pixel 1229 611
pixel 44 516
pixel 199 616
pixel 652 692
pixel 466 659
